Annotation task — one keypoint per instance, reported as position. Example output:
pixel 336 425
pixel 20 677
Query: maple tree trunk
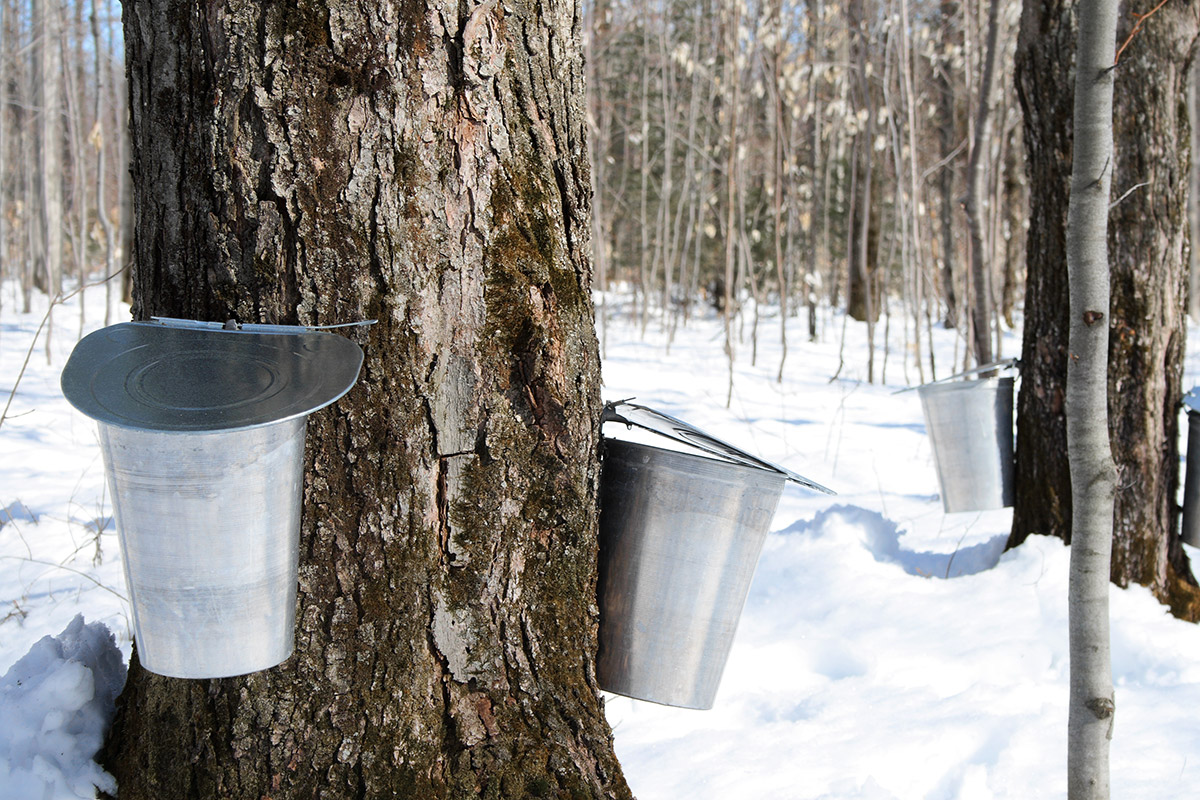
pixel 422 164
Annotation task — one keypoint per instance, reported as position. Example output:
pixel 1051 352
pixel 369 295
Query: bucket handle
pixel 632 414
pixel 1008 363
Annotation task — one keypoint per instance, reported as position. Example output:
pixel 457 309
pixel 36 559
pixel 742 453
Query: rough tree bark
pixel 1193 110
pixel 1093 474
pixel 422 163
pixel 1148 246
pixel 1045 57
pixel 1147 258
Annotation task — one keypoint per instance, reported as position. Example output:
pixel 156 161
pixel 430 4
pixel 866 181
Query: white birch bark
pixel 1092 472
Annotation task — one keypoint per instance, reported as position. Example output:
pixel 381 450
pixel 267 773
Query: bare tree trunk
pixel 947 149
pixel 598 142
pixel 1193 110
pixel 5 261
pixel 424 166
pixel 914 254
pixel 28 188
pixel 862 302
pixel 1012 222
pixel 732 99
pixel 46 77
pixel 1045 55
pixel 1194 194
pixel 100 143
pixel 1148 225
pixel 778 137
pixel 818 237
pixel 1093 474
pixel 981 269
pixel 76 219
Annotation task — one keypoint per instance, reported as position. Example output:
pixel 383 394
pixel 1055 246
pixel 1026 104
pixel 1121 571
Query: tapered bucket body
pixel 209 530
pixel 970 428
pixel 680 536
pixel 1191 484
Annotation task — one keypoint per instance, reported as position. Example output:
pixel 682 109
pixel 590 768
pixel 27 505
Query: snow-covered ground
pixel 886 650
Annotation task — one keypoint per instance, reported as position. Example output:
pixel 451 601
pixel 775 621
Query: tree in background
pixel 1045 55
pixel 1148 245
pixel 423 165
pixel 1147 257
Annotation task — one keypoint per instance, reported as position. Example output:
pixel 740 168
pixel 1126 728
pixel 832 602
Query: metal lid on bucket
pixel 186 376
pixel 632 414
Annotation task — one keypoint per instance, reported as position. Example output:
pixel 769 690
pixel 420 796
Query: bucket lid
pixel 165 376
pixel 632 414
pixel 1191 400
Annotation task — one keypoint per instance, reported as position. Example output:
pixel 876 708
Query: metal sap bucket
pixel 680 535
pixel 202 433
pixel 970 426
pixel 1191 485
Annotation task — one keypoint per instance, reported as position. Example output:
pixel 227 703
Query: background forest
pixel 814 155
pixel 832 140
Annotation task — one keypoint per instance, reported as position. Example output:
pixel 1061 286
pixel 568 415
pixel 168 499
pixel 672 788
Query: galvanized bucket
pixel 202 433
pixel 680 535
pixel 971 430
pixel 1191 485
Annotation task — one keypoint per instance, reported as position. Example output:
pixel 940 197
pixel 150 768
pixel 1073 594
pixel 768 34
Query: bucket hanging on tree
pixel 1191 484
pixel 970 427
pixel 680 536
pixel 202 433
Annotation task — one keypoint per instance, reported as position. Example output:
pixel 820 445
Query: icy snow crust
pixel 887 650
pixel 56 704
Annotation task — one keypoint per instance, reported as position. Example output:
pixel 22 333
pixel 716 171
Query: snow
pixel 886 650
pixel 56 704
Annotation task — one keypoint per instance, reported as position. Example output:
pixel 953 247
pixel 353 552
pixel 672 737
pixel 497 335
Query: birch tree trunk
pixel 424 164
pixel 1093 474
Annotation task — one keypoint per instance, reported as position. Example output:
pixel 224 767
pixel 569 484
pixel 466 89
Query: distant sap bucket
pixel 970 427
pixel 202 433
pixel 1191 486
pixel 680 535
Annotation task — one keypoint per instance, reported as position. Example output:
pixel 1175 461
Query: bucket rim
pixel 993 382
pixel 666 452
